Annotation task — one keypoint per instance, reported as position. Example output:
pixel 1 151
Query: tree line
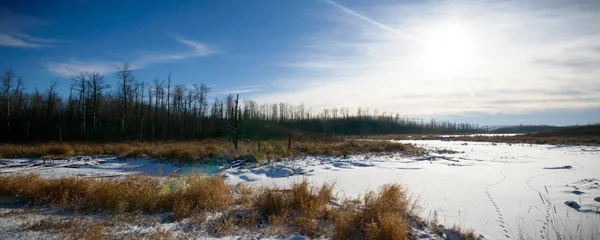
pixel 163 110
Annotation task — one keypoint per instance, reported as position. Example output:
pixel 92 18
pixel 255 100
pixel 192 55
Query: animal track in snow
pixel 502 224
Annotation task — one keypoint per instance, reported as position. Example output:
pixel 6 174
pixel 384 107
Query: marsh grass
pixel 75 228
pixel 383 215
pixel 191 151
pixel 301 208
pixel 555 224
pixel 143 194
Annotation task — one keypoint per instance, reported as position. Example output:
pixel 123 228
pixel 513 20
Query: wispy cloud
pixel 246 89
pixel 201 49
pixel 13 27
pixel 14 41
pixel 371 21
pixel 505 58
pixel 74 67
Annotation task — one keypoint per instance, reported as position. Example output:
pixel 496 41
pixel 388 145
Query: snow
pixel 483 135
pixel 502 191
pixel 86 166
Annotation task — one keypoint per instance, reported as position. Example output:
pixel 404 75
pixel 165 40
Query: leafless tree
pixel 126 81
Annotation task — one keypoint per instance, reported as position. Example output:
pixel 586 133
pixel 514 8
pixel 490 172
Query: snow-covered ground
pixel 500 190
pixel 85 166
pixel 482 135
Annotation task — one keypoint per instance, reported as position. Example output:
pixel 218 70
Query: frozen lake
pixel 502 191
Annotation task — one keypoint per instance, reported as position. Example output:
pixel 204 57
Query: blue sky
pixel 488 62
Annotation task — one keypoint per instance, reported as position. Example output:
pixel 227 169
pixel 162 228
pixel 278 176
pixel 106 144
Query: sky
pixel 486 62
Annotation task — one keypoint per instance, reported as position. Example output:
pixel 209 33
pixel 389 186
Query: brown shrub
pixel 300 206
pixel 59 150
pixel 383 216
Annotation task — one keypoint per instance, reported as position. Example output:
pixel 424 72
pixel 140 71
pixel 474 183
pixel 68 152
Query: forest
pixel 94 111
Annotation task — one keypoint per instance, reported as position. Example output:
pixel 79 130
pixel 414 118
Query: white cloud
pixel 201 49
pixel 246 89
pixel 14 41
pixel 484 57
pixel 73 67
pixel 13 27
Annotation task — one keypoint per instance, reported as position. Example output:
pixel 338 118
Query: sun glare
pixel 449 49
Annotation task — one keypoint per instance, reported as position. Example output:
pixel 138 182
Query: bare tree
pixel 201 94
pixel 96 88
pixel 80 83
pixel 168 101
pixel 125 85
pixel 159 94
pixel 7 79
pixel 50 106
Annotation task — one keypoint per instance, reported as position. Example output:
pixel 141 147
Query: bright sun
pixel 449 49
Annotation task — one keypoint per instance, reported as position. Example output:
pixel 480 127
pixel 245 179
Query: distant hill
pixel 571 131
pixel 523 129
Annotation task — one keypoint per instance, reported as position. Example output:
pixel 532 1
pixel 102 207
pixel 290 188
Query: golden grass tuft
pixel 384 216
pixel 301 206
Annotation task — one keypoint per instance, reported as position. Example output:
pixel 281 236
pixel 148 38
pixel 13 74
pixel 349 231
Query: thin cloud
pixel 249 89
pixel 371 21
pixel 14 41
pixel 201 49
pixel 73 67
pixel 524 58
pixel 13 28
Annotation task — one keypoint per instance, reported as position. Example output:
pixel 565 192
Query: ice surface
pixel 500 190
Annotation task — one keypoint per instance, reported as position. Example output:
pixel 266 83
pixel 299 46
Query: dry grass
pixel 465 234
pixel 302 208
pixel 76 228
pixel 146 194
pixel 204 150
pixel 385 215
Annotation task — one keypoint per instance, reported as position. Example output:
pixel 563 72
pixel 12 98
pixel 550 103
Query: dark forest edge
pixel 141 111
pixel 570 135
pixel 165 112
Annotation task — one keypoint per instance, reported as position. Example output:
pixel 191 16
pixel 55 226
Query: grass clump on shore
pixel 301 208
pixel 142 194
pixel 189 151
pixel 384 215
